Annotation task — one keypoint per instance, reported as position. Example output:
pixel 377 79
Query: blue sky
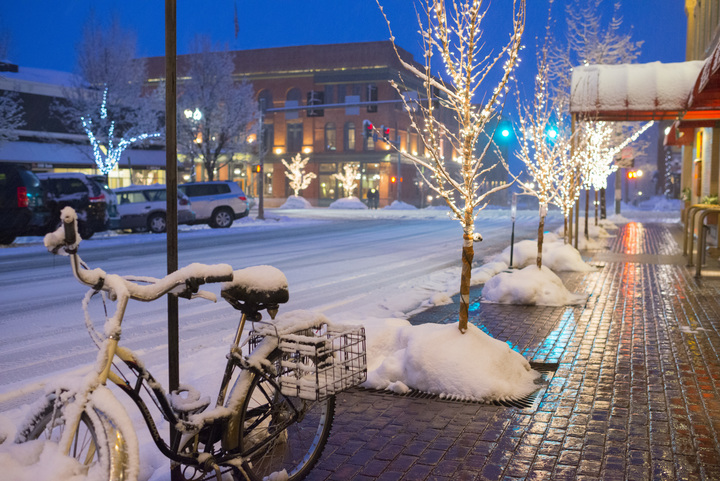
pixel 44 33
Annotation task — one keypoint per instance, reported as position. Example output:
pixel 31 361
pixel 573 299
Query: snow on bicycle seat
pixel 256 287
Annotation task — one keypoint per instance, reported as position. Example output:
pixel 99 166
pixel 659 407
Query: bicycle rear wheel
pixel 276 445
pixel 97 444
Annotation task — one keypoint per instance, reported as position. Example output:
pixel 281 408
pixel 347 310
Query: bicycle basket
pixel 317 364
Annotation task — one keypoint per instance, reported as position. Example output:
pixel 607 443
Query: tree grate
pixel 531 401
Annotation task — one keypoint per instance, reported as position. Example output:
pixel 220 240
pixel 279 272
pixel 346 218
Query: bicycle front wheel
pixel 96 444
pixel 276 443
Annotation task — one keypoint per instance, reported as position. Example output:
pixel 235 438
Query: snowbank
pixel 296 202
pixel 348 203
pixel 399 205
pixel 438 359
pixel 557 255
pixel 531 286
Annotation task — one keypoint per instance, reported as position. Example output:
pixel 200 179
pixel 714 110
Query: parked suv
pixel 216 203
pixel 81 193
pixel 143 207
pixel 22 204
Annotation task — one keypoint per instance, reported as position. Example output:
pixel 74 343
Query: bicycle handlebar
pixel 192 276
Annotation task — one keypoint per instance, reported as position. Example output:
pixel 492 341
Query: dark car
pixel 22 206
pixel 81 193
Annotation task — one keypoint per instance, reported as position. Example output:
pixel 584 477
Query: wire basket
pixel 318 363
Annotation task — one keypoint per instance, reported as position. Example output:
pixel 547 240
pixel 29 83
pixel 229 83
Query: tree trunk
pixel 565 230
pixel 570 226
pixel 541 228
pixel 603 208
pixel 596 207
pixel 468 253
pixel 587 213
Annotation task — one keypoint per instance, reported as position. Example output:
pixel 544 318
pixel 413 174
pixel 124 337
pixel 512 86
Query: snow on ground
pixel 348 203
pixel 400 356
pixel 296 202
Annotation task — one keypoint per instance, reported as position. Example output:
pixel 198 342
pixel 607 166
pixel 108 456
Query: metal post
pixel 618 191
pixel 399 154
pixel 261 171
pixel 171 211
pixel 513 211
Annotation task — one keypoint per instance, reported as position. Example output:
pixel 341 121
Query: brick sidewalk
pixel 635 394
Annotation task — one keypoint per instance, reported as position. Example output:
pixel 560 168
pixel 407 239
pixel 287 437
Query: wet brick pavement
pixel 634 397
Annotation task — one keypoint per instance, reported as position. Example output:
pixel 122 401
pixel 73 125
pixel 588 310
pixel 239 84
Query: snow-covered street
pixel 341 263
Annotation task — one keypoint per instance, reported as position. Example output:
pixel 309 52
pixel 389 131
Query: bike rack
pixel 701 211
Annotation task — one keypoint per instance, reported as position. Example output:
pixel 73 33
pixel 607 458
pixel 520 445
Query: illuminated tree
pixel 299 179
pixel 107 101
pixel 452 30
pixel 544 142
pixel 348 178
pixel 106 148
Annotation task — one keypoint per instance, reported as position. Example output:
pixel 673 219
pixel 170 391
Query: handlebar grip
pixel 70 233
pixel 225 278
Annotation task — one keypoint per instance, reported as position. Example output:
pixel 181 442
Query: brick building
pixel 340 76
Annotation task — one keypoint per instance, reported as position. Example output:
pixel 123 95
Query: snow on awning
pixel 48 155
pixel 651 91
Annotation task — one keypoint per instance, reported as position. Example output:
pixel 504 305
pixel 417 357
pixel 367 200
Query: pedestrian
pixel 373 198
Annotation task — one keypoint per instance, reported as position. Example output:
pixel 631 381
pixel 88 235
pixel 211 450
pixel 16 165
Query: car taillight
pixel 99 198
pixel 242 197
pixel 22 197
pixel 183 201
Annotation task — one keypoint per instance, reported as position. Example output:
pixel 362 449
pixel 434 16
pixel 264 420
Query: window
pixel 268 137
pixel 265 100
pixel 294 139
pixel 341 94
pixel 329 94
pixel 330 136
pixel 349 141
pixel 294 94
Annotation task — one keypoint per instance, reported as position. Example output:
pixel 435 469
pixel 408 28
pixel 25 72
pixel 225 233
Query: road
pixel 336 267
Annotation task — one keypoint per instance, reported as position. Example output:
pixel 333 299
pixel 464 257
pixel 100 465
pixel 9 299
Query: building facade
pixel 352 83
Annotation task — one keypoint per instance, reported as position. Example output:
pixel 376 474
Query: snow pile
pixel 41 460
pixel 439 359
pixel 657 203
pixel 557 255
pixel 531 286
pixel 399 205
pixel 348 203
pixel 296 202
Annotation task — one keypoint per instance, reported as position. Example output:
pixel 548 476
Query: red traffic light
pixel 392 179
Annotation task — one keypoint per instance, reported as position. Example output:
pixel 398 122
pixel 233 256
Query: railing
pixel 699 211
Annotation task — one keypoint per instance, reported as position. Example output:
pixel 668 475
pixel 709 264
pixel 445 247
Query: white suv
pixel 216 203
pixel 142 207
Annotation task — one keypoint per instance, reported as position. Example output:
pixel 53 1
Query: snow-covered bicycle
pixel 282 378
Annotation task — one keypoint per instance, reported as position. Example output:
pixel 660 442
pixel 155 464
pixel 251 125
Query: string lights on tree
pixel 299 179
pixel 107 150
pixel 448 117
pixel 348 178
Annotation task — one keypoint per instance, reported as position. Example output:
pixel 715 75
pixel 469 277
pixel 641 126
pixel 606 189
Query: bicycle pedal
pixel 186 400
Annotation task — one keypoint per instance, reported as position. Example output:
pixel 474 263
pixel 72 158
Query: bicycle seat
pixel 255 288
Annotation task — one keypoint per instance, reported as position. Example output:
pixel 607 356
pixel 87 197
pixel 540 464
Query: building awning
pixel 633 92
pixel 51 155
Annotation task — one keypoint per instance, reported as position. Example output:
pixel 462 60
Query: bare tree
pixel 216 114
pixel 108 102
pixel 453 32
pixel 299 179
pixel 12 116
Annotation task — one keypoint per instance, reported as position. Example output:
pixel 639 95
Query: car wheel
pixel 221 218
pixel 157 224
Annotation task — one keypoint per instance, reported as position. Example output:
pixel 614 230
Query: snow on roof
pixel 38 81
pixel 650 87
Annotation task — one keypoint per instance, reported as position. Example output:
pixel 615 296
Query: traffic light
pixel 385 132
pixel 367 129
pixel 315 98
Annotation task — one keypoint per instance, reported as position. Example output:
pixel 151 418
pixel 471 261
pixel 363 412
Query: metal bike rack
pixel 701 211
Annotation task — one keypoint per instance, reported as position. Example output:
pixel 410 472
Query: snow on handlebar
pixel 65 239
pixel 183 282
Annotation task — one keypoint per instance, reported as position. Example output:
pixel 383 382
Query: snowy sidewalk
pixel 635 392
